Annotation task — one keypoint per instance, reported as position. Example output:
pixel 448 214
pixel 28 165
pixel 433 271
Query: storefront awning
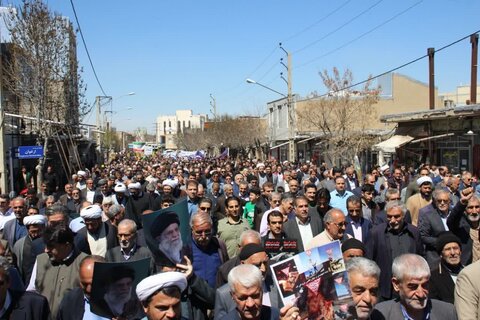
pixel 392 143
pixel 308 139
pixel 279 145
pixel 433 137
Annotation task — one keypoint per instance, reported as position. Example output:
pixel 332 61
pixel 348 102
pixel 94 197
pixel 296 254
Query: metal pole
pixel 98 123
pixel 431 73
pixel 3 171
pixel 473 81
pixel 291 113
pixel 10 163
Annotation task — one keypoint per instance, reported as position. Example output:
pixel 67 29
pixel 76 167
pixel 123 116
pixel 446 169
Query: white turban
pixel 91 212
pixel 384 167
pixel 120 187
pixel 151 284
pixel 81 173
pixel 260 165
pixel 34 219
pixel 170 182
pixel 76 224
pixel 134 185
pixel 423 180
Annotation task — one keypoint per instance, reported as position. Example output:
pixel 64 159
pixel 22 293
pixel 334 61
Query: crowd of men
pixel 410 239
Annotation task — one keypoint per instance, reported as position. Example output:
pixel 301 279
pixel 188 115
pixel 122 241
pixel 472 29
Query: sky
pixel 175 54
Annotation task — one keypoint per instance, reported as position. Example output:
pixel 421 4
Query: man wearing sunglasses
pixel 432 221
pixel 335 224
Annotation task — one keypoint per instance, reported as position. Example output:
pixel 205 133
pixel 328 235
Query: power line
pixel 393 69
pixel 86 49
pixel 339 28
pixel 360 36
pixel 331 13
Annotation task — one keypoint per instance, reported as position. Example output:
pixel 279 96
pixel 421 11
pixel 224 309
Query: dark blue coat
pixel 366 226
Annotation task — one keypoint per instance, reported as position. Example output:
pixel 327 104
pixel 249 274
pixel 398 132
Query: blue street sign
pixel 30 152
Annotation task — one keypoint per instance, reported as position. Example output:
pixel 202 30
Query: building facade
pixel 398 93
pixel 169 125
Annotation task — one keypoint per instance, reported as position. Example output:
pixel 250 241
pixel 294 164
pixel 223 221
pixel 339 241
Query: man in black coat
pixel 303 217
pixel 17 304
pixel 136 204
pixel 432 220
pixel 387 241
pixel 76 303
pixel 442 286
pixel 463 218
pixel 129 249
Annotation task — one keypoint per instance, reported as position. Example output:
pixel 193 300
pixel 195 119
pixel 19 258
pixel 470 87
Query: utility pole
pixel 3 171
pixel 213 103
pixel 98 123
pixel 291 111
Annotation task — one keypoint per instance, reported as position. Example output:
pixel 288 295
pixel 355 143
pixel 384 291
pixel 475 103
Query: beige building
pixel 399 94
pixel 459 97
pixel 169 125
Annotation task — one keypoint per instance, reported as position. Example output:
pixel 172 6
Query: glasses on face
pixel 276 201
pixel 204 233
pixel 340 224
pixel 354 210
pixel 443 200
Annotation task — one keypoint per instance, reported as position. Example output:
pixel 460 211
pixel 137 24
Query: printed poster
pixel 316 282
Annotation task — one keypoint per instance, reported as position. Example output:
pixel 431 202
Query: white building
pixel 169 125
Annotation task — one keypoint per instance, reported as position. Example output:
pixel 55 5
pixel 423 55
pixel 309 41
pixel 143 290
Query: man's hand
pixel 466 195
pixel 290 312
pixel 186 268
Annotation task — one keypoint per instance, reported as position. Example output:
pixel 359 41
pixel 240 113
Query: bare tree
pixel 241 134
pixel 41 70
pixel 343 117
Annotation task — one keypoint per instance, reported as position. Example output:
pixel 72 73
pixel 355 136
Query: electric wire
pixel 86 48
pixel 394 69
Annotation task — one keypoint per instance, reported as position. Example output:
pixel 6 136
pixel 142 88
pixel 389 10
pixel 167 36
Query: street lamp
pixel 471 135
pixel 264 86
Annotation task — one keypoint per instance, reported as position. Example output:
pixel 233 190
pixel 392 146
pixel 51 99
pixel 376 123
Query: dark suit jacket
pixel 27 306
pixel 391 310
pixel 81 241
pixel 224 269
pixel 458 224
pixel 224 302
pixel 430 225
pixel 267 313
pixel 441 283
pixel 72 306
pixel 9 231
pixel 115 255
pixel 378 249
pixel 365 225
pixel 291 230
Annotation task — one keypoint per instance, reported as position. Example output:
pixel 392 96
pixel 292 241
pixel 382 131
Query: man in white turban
pixel 26 249
pixel 160 295
pixel 97 236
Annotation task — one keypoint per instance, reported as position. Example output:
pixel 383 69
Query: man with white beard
pixel 464 222
pixel 165 230
pixel 118 301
